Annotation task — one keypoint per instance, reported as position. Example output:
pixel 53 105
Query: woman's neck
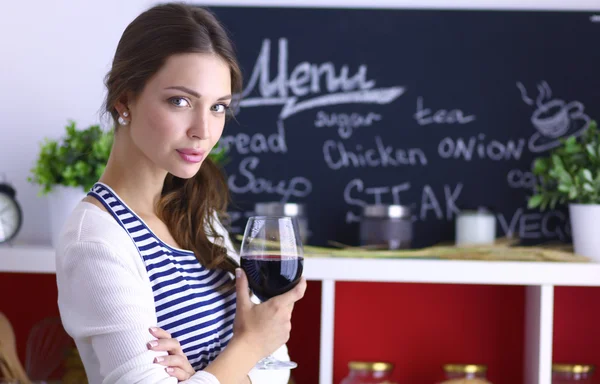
pixel 133 176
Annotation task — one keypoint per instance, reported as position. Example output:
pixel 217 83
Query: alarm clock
pixel 11 215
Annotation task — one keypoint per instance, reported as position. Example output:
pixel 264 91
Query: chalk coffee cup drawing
pixel 554 118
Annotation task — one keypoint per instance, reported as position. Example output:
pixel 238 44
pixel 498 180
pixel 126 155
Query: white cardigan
pixel 107 306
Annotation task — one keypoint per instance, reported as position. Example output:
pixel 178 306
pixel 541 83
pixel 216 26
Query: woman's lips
pixel 191 155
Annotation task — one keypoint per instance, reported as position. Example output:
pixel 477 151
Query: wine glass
pixel 272 257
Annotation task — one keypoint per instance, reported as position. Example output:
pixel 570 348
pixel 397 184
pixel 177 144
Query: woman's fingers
pixel 170 345
pixel 179 373
pixel 172 361
pixel 160 333
pixel 178 364
pixel 241 285
pixel 292 296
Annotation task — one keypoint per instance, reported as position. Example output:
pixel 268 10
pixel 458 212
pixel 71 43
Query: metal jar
pixel 572 373
pixel 295 210
pixel 386 226
pixel 465 373
pixel 368 373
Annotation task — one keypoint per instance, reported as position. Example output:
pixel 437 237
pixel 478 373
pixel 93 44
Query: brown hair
pixel 186 206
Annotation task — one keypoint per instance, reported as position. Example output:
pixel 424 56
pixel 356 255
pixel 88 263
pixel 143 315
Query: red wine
pixel 272 275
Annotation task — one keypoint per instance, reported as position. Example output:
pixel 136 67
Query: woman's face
pixel 179 116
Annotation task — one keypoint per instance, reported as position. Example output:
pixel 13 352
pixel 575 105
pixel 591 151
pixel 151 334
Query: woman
pixel 144 267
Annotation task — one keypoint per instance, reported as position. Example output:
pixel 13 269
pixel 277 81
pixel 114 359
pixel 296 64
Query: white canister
pixel 475 227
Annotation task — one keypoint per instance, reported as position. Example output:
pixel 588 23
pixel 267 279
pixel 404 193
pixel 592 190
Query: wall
pixel 53 68
pixel 55 55
pixel 54 58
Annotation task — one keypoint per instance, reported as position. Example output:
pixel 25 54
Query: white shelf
pixel 40 259
pixel 453 271
pixel 539 277
pixel 27 259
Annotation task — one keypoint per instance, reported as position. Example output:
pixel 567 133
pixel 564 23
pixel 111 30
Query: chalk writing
pixel 257 143
pixel 517 178
pixel 476 147
pixel 547 225
pixel 346 123
pixel 249 183
pixel 424 116
pixel 337 155
pixel 357 195
pixel 307 79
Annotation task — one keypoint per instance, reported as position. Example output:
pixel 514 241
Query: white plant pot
pixel 585 229
pixel 61 202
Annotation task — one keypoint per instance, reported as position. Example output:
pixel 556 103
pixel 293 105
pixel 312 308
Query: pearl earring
pixel 125 113
pixel 122 121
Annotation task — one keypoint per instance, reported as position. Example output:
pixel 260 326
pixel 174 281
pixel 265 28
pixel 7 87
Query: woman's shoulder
pixel 91 223
pixel 91 238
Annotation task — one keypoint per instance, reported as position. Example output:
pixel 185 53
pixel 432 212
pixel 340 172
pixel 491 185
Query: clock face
pixel 10 217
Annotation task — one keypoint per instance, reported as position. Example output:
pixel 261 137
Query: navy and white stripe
pixel 188 302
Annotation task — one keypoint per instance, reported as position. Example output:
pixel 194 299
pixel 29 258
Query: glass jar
pixel 363 372
pixel 572 373
pixel 386 226
pixel 465 374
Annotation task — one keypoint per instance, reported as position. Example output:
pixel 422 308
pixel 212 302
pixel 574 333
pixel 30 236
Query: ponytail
pixel 189 208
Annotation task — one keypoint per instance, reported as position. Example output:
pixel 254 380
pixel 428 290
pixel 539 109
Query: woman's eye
pixel 179 102
pixel 219 108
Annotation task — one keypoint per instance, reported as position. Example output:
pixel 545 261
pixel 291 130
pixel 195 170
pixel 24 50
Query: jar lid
pixel 279 209
pixel 573 368
pixel 477 210
pixel 387 211
pixel 373 366
pixel 465 368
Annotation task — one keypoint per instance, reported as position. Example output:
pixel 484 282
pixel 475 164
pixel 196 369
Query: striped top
pixel 186 294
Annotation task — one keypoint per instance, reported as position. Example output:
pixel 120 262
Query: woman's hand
pixel 176 362
pixel 264 327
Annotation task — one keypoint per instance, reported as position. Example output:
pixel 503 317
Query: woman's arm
pixel 104 301
pixel 177 361
pixel 258 330
pixel 178 365
pixel 257 376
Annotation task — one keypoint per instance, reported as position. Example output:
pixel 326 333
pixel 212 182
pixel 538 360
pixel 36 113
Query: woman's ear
pixel 123 110
pixel 122 105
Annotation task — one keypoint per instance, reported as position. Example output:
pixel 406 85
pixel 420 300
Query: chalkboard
pixel 435 109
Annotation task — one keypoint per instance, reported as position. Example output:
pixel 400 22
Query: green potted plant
pixel 570 174
pixel 67 168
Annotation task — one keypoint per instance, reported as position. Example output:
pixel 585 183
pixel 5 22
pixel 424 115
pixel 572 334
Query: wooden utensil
pixel 47 345
pixel 5 372
pixel 8 353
